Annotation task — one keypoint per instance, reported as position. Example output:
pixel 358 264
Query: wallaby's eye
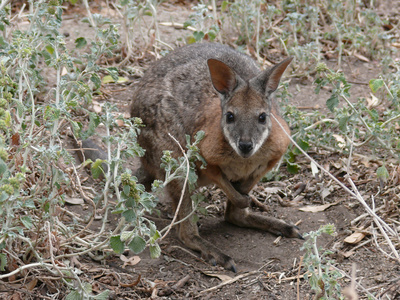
pixel 262 118
pixel 230 117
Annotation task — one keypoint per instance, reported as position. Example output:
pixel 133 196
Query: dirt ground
pixel 268 267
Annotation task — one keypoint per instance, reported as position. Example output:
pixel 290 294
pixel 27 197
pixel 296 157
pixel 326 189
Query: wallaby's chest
pixel 242 169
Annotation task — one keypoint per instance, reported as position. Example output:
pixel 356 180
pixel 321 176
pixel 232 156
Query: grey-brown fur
pixel 195 88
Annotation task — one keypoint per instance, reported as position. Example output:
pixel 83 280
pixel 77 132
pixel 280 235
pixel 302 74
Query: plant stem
pixel 4 3
pixel 366 125
pixel 183 188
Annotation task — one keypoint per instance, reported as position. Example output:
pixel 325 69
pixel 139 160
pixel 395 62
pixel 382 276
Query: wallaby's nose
pixel 245 147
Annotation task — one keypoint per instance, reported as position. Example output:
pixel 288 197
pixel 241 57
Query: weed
pixel 320 275
pixel 134 13
pixel 34 166
pixel 204 23
pixel 134 202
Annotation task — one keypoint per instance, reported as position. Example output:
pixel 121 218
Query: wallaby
pixel 213 88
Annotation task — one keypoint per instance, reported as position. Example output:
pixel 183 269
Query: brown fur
pixel 200 87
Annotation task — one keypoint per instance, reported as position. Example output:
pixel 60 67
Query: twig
pixel 188 252
pixel 358 284
pixel 360 217
pixel 20 269
pixel 4 4
pixel 90 17
pixel 298 278
pixel 227 282
pixel 214 7
pixel 180 283
pixel 366 125
pixel 177 25
pixel 391 246
pixel 24 291
pixel 98 246
pixel 260 205
pixel 350 154
pixel 183 189
pixel 87 199
pixel 47 224
pixel 350 291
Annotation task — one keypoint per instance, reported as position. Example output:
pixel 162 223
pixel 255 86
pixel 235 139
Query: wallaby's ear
pixel 223 77
pixel 268 80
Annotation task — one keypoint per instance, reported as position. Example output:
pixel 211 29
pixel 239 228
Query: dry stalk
pixel 88 200
pixel 298 278
pixel 183 189
pixel 227 282
pixel 50 236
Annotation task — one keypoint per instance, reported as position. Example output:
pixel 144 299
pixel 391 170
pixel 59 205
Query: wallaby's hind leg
pixel 189 234
pixel 247 218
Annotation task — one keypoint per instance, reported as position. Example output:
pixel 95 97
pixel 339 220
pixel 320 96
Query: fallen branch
pixel 227 282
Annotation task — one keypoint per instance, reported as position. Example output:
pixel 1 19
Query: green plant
pixel 34 164
pixel 320 275
pixel 204 23
pixel 134 13
pixel 134 202
pixel 305 30
pixel 348 123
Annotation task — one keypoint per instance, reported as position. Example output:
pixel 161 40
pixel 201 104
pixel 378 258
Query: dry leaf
pixel 97 108
pixel 131 261
pixel 354 238
pixel 314 169
pixel 15 140
pixel 74 201
pixel 337 164
pixel 341 142
pixel 119 122
pixel 361 57
pixel 317 208
pixel 373 102
pixel 15 296
pixel 326 192
pixel 271 190
pixel 365 162
pixel 222 277
pixel 347 254
pixel 31 285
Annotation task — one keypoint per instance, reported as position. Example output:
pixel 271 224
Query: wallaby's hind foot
pixel 188 234
pixel 188 231
pixel 247 218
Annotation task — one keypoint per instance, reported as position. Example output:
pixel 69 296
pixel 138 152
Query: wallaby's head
pixel 246 105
